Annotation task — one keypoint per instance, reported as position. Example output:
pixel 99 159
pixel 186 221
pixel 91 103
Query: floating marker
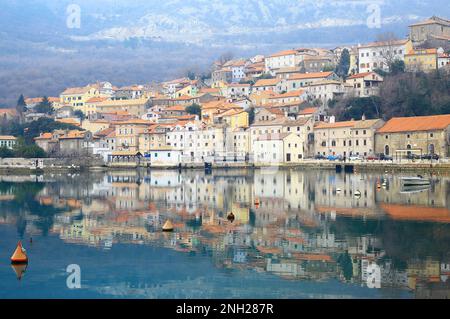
pixel 19 256
pixel 168 226
pixel 19 269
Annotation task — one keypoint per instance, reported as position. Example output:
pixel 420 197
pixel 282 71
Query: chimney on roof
pixel 363 118
pixel 332 119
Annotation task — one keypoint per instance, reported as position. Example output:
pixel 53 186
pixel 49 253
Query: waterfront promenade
pixel 26 166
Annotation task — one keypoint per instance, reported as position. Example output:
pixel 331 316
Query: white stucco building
pixel 378 54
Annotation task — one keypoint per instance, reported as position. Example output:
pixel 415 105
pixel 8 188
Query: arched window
pixel 408 147
pixel 386 150
pixel 431 149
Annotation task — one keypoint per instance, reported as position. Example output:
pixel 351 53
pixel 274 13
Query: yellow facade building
pixel 135 107
pixel 77 97
pixel 128 132
pixel 421 60
pixel 234 118
pixel 95 126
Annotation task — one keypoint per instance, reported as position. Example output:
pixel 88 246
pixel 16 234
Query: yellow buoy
pixel 168 226
pixel 19 256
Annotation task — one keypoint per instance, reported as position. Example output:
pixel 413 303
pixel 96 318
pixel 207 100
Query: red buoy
pixel 19 256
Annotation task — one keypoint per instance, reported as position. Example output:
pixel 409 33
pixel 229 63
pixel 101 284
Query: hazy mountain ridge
pixel 144 40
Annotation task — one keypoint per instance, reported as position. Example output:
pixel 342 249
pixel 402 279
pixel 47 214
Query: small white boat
pixel 415 181
pixel 414 189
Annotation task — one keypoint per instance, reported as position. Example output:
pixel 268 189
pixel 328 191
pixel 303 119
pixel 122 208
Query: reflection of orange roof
pixel 46 201
pixel 417 213
pixel 268 250
pixel 312 257
pixel 73 203
pixel 345 211
pixel 296 240
pixel 215 229
pixel 415 124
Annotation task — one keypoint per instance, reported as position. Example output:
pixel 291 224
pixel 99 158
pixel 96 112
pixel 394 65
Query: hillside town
pixel 262 110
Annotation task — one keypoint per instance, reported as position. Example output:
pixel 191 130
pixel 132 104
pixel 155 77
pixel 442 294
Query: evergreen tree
pixel 344 64
pixel 251 115
pixel 194 109
pixel 44 107
pixel 79 114
pixel 21 106
pixel 397 67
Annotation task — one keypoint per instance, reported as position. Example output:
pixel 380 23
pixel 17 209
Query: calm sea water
pixel 296 234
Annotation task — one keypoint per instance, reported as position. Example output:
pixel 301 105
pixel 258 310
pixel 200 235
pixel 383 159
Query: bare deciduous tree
pixel 389 42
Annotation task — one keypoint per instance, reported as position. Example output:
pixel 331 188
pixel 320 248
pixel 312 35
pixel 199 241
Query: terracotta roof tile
pixel 7 137
pixel 267 82
pixel 283 53
pixel 385 43
pixel 414 124
pixel 312 75
pixel 309 110
pixel 359 75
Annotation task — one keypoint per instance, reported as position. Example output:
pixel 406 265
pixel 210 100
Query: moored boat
pixel 415 181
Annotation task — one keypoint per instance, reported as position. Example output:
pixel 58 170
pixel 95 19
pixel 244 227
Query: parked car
pixel 379 157
pixel 319 157
pixel 430 157
pixel 353 158
pixel 334 157
pixel 373 158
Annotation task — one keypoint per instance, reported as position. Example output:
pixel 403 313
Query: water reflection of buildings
pixel 288 223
